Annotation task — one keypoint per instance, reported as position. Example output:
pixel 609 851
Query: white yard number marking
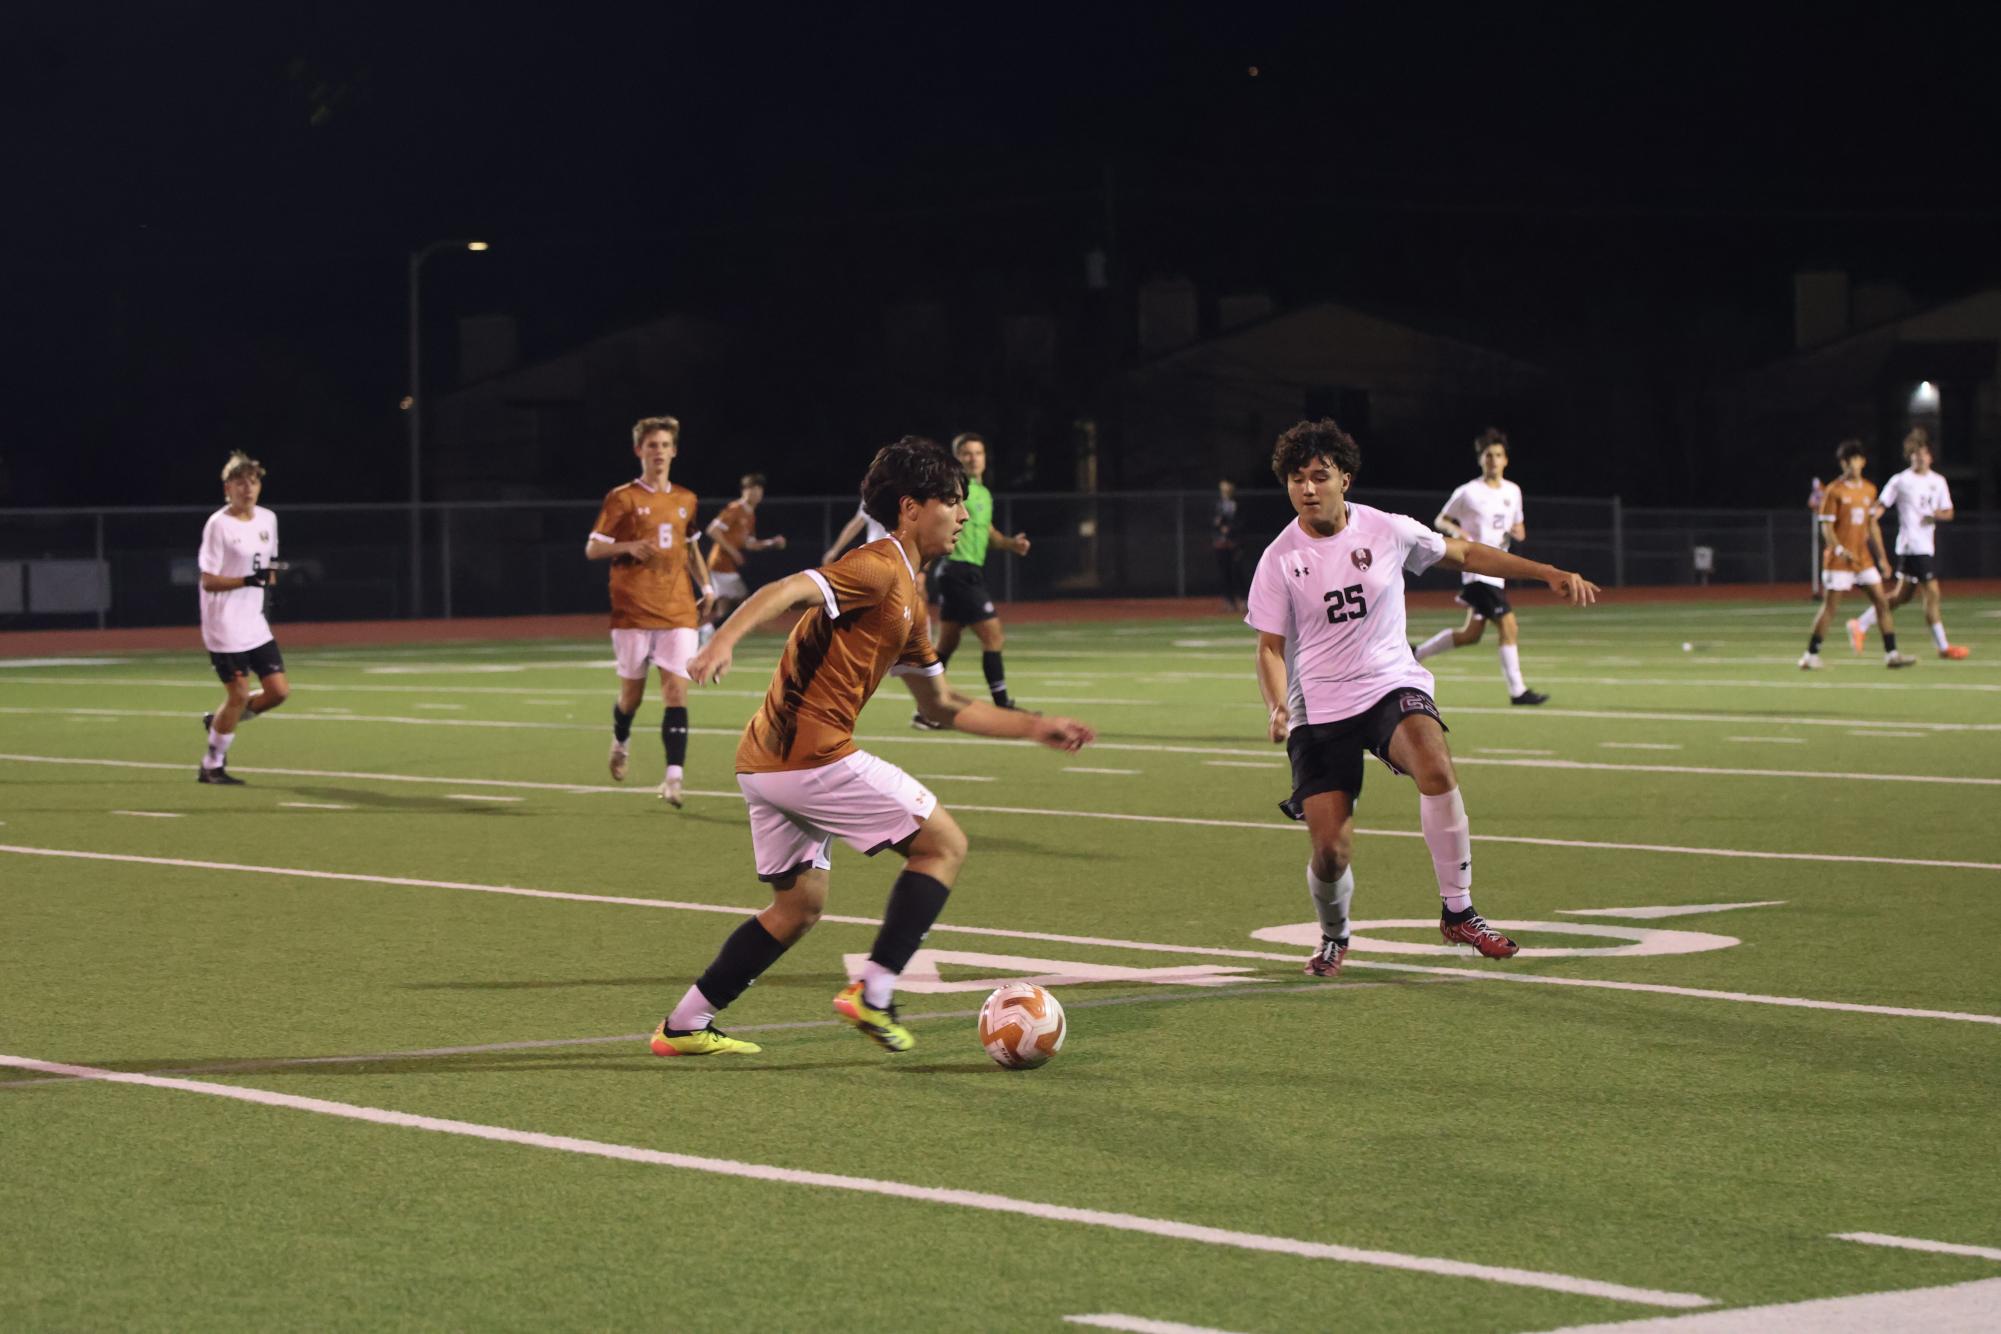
pixel 922 978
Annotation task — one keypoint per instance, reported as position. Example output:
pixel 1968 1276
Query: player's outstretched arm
pixel 1272 685
pixel 846 535
pixel 795 592
pixel 1477 559
pixel 940 703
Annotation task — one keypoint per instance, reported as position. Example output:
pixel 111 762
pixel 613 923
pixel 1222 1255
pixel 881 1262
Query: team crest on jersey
pixel 682 511
pixel 1362 557
pixel 263 537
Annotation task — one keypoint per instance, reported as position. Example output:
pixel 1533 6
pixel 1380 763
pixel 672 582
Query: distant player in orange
pixel 804 780
pixel 1851 554
pixel 647 531
pixel 732 537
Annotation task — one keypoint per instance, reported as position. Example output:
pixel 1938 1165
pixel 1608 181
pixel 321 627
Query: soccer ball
pixel 1021 1026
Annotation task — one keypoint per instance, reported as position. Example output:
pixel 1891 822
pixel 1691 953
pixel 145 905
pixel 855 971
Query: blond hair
pixel 646 426
pixel 240 462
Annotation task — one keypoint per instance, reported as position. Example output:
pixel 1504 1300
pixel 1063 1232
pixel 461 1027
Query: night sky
pixel 213 205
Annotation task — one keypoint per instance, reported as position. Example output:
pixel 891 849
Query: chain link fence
pixel 136 566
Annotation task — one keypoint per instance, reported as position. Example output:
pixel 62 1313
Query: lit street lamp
pixel 414 405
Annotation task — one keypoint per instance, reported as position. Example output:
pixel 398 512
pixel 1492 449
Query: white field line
pixel 151 815
pixel 479 796
pixel 956 778
pixel 1050 937
pixel 1139 1324
pixel 1509 750
pixel 1961 1308
pixel 1266 826
pixel 1152 747
pixel 541 692
pixel 1770 740
pixel 315 806
pixel 1877 731
pixel 1086 769
pixel 1919 1244
pixel 1243 764
pixel 1667 910
pixel 1639 745
pixel 964 1199
pixel 1790 683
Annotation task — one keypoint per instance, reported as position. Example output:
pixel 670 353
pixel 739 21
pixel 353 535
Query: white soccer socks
pixel 1938 635
pixel 1449 836
pixel 1867 620
pixel 1330 901
pixel 1511 669
pixel 218 748
pixel 1438 643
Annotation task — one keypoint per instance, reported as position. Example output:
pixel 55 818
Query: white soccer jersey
pixel 872 531
pixel 1488 514
pixel 233 622
pixel 1339 603
pixel 1913 496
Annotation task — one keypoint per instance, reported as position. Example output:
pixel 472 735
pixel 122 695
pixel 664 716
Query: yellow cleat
pixel 880 1025
pixel 710 1041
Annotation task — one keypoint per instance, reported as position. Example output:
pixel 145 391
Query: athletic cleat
pixel 1529 697
pixel 710 1041
pixel 1856 634
pixel 1955 652
pixel 1474 931
pixel 923 724
pixel 618 762
pixel 1326 960
pixel 1899 660
pixel 1810 662
pixel 880 1025
pixel 670 792
pixel 218 775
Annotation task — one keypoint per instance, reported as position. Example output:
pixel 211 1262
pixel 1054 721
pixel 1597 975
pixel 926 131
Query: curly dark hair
pixel 1493 435
pixel 916 467
pixel 1848 449
pixel 1308 441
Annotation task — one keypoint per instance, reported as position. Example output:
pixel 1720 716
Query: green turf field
pixel 394 997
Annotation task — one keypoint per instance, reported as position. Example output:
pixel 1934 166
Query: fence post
pixel 103 575
pixel 1007 526
pixel 445 556
pixel 1618 543
pixel 1180 546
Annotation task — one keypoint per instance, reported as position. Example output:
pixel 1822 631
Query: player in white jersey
pixel 238 547
pixel 1487 510
pixel 1922 500
pixel 1339 679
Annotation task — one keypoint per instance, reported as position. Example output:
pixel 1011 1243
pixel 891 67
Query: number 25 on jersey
pixel 1345 604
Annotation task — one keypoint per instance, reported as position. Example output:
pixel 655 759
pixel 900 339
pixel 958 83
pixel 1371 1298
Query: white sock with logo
pixel 1938 636
pixel 1449 836
pixel 1867 620
pixel 878 984
pixel 1511 669
pixel 218 746
pixel 1330 901
pixel 1438 643
pixel 695 1012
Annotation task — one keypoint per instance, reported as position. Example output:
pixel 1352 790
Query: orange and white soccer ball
pixel 1021 1026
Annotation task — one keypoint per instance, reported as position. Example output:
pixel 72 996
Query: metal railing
pixel 135 566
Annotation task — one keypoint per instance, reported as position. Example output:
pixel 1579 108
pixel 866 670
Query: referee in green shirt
pixel 961 577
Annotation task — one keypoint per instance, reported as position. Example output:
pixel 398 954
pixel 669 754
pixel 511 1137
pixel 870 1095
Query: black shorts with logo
pixel 1486 600
pixel 260 662
pixel 1914 568
pixel 962 592
pixel 1327 757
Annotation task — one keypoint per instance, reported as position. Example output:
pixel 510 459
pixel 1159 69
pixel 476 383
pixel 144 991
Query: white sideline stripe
pixel 1671 716
pixel 1873 731
pixel 1639 745
pixel 1053 937
pixel 965 1199
pixel 1771 740
pixel 479 796
pixel 1242 764
pixel 1139 1324
pixel 315 806
pixel 151 815
pixel 957 778
pixel 1920 1244
pixel 1676 910
pixel 1962 1308
pixel 892 738
pixel 1509 750
pixel 1722 683
pixel 441 706
pixel 1268 826
pixel 1086 769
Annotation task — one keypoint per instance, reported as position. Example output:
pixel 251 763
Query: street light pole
pixel 414 406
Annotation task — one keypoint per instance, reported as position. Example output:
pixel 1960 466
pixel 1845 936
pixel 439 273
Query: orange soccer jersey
pixel 872 622
pixel 739 523
pixel 1848 504
pixel 659 596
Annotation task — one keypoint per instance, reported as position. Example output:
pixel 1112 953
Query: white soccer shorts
pixel 730 585
pixel 796 814
pixel 669 650
pixel 1841 581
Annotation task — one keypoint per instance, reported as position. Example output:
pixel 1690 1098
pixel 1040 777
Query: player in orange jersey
pixel 804 780
pixel 732 537
pixel 647 531
pixel 1852 554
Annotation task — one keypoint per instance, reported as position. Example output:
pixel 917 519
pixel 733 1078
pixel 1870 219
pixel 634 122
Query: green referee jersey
pixel 972 543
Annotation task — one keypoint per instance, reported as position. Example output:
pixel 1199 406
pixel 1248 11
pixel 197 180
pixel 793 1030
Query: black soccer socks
pixel 621 725
pixel 674 734
pixel 743 958
pixel 915 901
pixel 990 663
